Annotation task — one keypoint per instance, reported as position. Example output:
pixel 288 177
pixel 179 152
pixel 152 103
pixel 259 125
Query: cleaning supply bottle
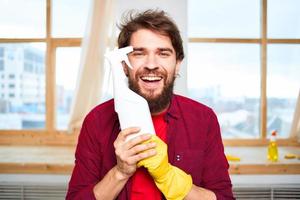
pixel 132 109
pixel 272 148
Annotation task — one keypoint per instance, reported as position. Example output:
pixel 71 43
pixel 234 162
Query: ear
pixel 125 68
pixel 177 66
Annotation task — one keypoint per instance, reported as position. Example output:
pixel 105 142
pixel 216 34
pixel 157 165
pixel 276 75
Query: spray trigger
pixel 127 61
pixel 119 55
pixel 124 53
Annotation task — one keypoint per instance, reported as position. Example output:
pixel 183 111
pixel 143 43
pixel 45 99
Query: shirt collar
pixel 174 110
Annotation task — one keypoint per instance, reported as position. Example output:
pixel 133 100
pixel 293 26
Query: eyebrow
pixel 160 49
pixel 166 49
pixel 138 49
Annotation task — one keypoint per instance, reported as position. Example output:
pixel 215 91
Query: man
pixel 184 161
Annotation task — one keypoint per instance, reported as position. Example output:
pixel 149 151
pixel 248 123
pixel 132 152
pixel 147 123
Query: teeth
pixel 151 78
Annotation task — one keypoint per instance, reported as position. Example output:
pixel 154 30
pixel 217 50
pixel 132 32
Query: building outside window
pixel 1 59
pixel 30 108
pixel 245 69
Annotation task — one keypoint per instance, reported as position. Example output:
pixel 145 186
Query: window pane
pixel 67 64
pixel 22 86
pixel 283 19
pixel 224 18
pixel 69 17
pixel 226 77
pixel 283 86
pixel 22 18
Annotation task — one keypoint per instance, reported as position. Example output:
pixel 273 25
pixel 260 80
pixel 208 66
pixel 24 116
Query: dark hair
pixel 155 20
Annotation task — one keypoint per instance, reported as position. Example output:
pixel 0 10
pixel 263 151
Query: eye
pixel 164 54
pixel 137 53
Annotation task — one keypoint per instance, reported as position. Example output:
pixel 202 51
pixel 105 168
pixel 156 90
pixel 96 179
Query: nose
pixel 151 62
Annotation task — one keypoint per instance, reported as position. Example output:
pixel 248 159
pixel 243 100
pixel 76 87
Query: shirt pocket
pixel 190 161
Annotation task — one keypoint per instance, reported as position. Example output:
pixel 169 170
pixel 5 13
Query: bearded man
pixel 185 160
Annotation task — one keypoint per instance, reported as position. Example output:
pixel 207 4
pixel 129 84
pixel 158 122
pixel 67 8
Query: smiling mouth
pixel 151 78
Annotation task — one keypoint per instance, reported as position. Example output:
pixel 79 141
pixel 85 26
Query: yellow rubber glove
pixel 174 183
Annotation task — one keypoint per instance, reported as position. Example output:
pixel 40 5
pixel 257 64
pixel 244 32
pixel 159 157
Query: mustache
pixel 155 72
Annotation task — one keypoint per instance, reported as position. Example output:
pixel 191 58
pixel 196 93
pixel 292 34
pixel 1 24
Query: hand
pixel 130 152
pixel 172 181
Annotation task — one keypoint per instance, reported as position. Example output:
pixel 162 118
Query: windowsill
pixel 36 159
pixel 60 160
pixel 254 160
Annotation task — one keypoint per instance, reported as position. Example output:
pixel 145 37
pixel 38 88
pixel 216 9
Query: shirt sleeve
pixel 87 167
pixel 215 174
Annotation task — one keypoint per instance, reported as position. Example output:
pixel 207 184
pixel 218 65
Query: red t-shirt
pixel 143 186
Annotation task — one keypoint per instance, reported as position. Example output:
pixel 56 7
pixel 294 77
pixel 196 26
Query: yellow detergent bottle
pixel 272 148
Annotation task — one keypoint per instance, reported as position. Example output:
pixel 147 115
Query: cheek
pixel 171 69
pixel 133 73
pixel 136 63
pixel 171 76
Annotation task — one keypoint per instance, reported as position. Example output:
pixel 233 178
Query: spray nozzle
pixel 119 55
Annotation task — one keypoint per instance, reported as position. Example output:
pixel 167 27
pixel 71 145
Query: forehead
pixel 149 39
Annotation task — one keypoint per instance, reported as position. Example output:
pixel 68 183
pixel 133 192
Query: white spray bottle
pixel 132 109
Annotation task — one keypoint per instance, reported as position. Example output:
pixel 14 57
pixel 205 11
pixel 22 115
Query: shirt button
pixel 178 157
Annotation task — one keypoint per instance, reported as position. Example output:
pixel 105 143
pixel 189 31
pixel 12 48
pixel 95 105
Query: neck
pixel 161 111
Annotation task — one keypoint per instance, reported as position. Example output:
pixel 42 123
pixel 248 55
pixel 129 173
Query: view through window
pixel 283 86
pixel 22 86
pixel 227 76
pixel 23 60
pixel 67 65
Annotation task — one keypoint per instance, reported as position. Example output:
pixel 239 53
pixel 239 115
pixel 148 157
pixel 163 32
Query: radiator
pixel 57 192
pixel 267 192
pixel 21 191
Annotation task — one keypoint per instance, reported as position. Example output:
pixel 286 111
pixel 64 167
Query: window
pixel 1 52
pixel 11 86
pixel 228 81
pixel 67 62
pixel 26 43
pixel 69 17
pixel 283 86
pixel 11 76
pixel 250 78
pixel 283 19
pixel 29 22
pixel 1 58
pixel 30 108
pixel 1 65
pixel 219 19
pixel 44 46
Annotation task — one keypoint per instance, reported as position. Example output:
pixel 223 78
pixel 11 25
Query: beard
pixel 158 102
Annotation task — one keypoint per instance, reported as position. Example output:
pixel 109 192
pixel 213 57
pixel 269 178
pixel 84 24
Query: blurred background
pixel 242 60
